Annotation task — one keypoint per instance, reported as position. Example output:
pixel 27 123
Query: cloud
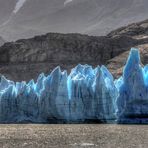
pixel 67 1
pixel 19 5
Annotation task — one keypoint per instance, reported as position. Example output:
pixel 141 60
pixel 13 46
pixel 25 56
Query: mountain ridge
pixel 79 16
pixel 27 58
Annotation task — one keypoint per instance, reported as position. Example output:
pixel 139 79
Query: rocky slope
pixel 138 31
pixel 26 18
pixel 27 58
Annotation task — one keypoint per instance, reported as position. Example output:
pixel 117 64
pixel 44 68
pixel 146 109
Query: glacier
pixel 85 95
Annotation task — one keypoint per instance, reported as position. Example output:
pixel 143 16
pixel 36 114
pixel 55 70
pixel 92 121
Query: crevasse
pixel 86 94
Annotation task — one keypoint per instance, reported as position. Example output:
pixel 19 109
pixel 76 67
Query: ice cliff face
pixel 132 102
pixel 85 94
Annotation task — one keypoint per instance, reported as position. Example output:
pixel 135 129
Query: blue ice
pixel 86 94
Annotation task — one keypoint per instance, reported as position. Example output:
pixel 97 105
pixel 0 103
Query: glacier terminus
pixel 86 94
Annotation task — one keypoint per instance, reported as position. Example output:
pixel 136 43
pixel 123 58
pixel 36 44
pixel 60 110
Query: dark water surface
pixel 73 136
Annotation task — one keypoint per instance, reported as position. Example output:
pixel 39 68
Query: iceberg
pixel 85 95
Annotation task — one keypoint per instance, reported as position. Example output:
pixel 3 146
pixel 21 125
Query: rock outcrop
pixel 27 58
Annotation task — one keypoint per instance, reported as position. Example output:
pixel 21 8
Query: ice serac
pixel 91 96
pixel 85 95
pixel 132 103
pixel 104 94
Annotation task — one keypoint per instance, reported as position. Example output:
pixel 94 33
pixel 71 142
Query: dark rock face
pixel 27 58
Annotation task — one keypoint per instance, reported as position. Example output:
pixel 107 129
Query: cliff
pixel 27 58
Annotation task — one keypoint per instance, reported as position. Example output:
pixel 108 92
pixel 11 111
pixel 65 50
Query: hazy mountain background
pixel 2 41
pixel 25 59
pixel 26 18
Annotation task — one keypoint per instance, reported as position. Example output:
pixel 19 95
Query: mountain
pixel 27 58
pixel 26 18
pixel 138 31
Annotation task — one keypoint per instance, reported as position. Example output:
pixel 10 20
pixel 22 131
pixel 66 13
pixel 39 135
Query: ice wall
pixel 86 94
pixel 132 102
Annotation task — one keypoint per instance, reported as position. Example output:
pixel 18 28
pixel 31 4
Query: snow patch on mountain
pixel 6 22
pixel 67 1
pixel 19 5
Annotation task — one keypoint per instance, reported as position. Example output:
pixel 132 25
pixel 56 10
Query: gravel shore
pixel 73 136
